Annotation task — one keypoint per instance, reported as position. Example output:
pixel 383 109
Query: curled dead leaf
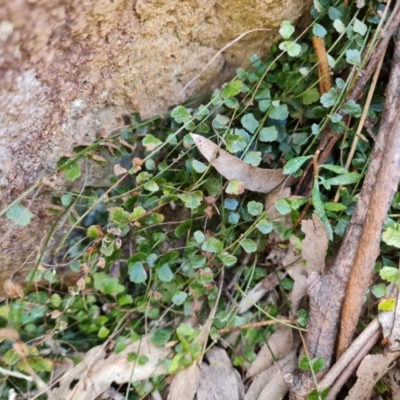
pixel 101 367
pixel 54 314
pixel 118 170
pixel 231 168
pixel 208 211
pixel 9 334
pixel 137 164
pixel 125 143
pixel 81 284
pixel 96 157
pixel 12 289
pixel 101 263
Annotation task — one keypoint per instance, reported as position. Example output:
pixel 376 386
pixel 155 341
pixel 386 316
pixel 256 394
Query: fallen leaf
pixel 101 263
pixel 278 345
pixel 185 382
pixel 208 211
pixel 390 320
pixel 12 289
pixel 269 384
pixel 371 369
pixel 219 377
pixel 315 244
pixel 81 284
pixel 210 200
pixel 48 182
pixel 233 169
pixel 96 157
pixel 137 161
pixel 393 382
pixel 54 314
pixel 118 170
pixel 100 368
pixel 8 334
pixel 314 248
pixel 125 143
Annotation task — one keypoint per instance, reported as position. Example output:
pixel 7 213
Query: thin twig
pixel 360 343
pixel 352 366
pixel 251 325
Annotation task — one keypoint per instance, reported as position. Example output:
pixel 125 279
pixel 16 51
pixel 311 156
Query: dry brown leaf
pixel 100 368
pixel 125 143
pixel 269 384
pixel 118 170
pixel 313 252
pixel 210 200
pixel 137 164
pixel 96 157
pixel 394 329
pixel 208 212
pixel 185 382
pixel 8 334
pixel 393 382
pixel 101 263
pixel 231 168
pixel 371 369
pixel 279 344
pixel 54 314
pixel 315 244
pixel 12 289
pixel 81 284
pixel 219 378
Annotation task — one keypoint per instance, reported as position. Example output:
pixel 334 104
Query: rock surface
pixel 70 69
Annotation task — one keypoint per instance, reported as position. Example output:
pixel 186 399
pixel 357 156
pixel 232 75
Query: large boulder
pixel 72 68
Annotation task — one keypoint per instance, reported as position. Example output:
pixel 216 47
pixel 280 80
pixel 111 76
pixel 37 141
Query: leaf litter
pixel 99 369
pixel 233 169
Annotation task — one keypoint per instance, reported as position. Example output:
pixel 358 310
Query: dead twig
pixel 324 72
pixel 251 325
pixel 351 367
pixel 351 358
pixel 327 293
pixel 381 199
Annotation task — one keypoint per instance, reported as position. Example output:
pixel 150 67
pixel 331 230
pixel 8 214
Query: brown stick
pixel 327 293
pixel 324 73
pixel 382 196
pixel 351 367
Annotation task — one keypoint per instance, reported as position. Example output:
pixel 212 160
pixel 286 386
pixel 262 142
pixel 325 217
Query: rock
pixel 70 69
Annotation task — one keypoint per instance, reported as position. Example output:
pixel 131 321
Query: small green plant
pixel 156 248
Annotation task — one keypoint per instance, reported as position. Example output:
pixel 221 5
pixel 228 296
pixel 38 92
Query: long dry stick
pixel 381 199
pixel 327 293
pixel 351 367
